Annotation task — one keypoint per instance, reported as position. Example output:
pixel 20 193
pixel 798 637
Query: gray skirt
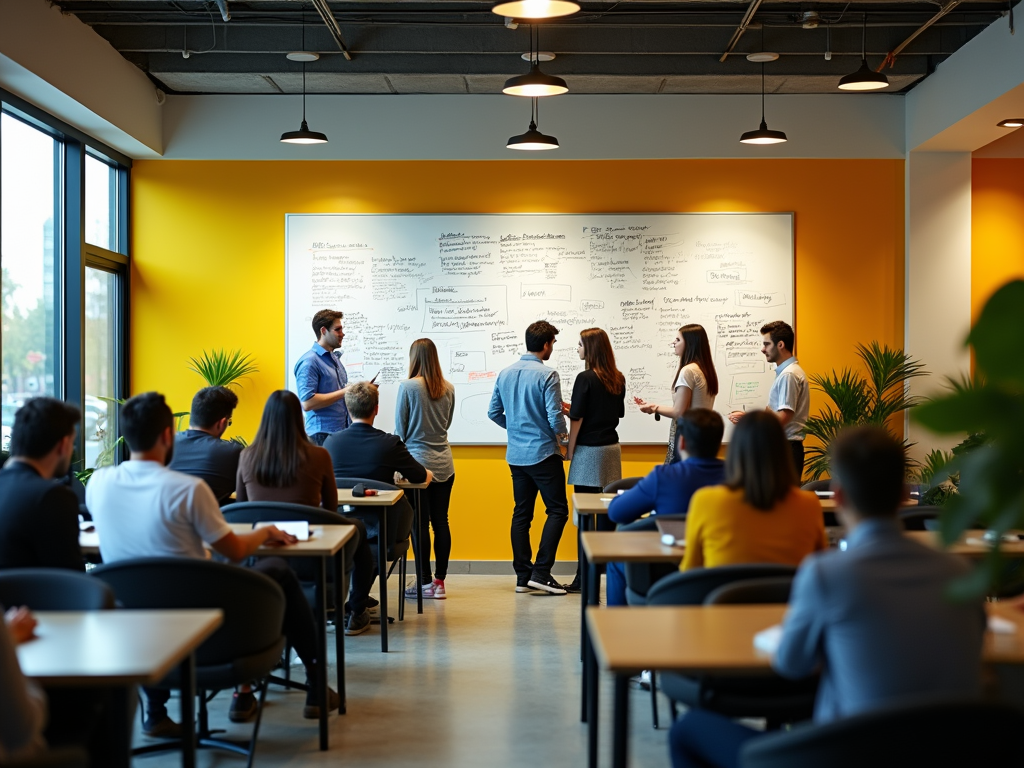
pixel 595 465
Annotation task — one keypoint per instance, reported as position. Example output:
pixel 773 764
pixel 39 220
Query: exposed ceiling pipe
pixel 747 17
pixel 332 25
pixel 890 58
pixel 224 12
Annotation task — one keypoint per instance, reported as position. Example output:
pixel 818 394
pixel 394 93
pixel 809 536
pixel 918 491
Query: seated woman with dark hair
pixel 283 465
pixel 759 515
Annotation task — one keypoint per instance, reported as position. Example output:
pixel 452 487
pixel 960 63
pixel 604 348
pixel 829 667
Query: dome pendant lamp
pixel 532 139
pixel 763 135
pixel 303 135
pixel 535 83
pixel 535 9
pixel 864 79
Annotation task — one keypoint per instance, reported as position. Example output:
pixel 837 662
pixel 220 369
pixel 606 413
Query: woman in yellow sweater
pixel 759 515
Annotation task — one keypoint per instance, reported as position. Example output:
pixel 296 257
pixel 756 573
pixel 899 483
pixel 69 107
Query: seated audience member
pixel 22 701
pixel 668 487
pixel 365 451
pixel 759 515
pixel 143 509
pixel 283 465
pixel 199 450
pixel 876 620
pixel 38 515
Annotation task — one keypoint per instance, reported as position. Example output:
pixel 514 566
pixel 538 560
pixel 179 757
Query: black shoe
pixel 574 588
pixel 358 623
pixel 312 709
pixel 243 707
pixel 524 586
pixel 160 727
pixel 546 584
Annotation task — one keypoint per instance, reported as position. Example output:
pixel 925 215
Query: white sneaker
pixel 432 591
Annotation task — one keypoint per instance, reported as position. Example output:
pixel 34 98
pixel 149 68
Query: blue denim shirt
pixel 527 402
pixel 318 372
pixel 667 489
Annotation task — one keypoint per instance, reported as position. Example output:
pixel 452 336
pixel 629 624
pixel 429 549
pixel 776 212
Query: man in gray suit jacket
pixel 876 619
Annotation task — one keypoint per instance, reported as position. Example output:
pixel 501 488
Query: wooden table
pixel 422 556
pixel 716 639
pixel 120 650
pixel 325 542
pixel 1011 549
pixel 377 505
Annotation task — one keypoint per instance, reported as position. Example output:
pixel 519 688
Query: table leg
pixel 382 577
pixel 321 591
pixel 620 738
pixel 583 525
pixel 188 712
pixel 339 625
pixel 118 730
pixel 421 559
pixel 590 674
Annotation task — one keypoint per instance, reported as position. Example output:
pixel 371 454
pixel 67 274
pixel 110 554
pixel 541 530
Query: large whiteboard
pixel 473 283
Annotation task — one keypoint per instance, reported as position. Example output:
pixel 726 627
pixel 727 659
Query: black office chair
pixel 778 701
pixel 919 734
pixel 770 589
pixel 397 554
pixel 245 648
pixel 53 589
pixel 920 518
pixel 61 757
pixel 640 577
pixel 622 485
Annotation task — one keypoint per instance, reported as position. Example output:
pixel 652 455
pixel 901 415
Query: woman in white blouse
pixel 694 385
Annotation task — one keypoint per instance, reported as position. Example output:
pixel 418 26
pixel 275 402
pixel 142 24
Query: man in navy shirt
pixel 321 379
pixel 668 488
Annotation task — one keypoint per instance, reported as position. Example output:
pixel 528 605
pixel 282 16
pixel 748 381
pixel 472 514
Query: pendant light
pixel 532 139
pixel 535 83
pixel 864 79
pixel 535 9
pixel 762 135
pixel 303 135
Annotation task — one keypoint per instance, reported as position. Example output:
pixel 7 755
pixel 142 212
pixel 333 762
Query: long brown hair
pixel 759 460
pixel 599 357
pixel 280 446
pixel 423 362
pixel 697 349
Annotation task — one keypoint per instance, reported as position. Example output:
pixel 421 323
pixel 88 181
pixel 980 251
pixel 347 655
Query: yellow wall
pixel 997 226
pixel 208 264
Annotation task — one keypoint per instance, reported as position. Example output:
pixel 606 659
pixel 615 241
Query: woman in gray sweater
pixel 426 406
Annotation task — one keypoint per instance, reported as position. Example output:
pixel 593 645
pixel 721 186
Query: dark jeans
pixel 360 563
pixel 400 520
pixel 797 447
pixel 319 438
pixel 702 739
pixel 299 624
pixel 435 499
pixel 548 478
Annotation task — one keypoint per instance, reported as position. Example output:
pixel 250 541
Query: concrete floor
pixel 487 677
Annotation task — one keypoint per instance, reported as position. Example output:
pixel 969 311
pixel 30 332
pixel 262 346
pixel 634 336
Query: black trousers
pixel 797 447
pixel 299 624
pixel 435 500
pixel 548 479
pixel 360 563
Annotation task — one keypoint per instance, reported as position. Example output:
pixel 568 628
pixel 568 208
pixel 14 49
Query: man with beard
pixel 39 517
pixel 143 509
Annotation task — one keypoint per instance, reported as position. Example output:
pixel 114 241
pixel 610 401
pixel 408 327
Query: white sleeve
pixel 789 389
pixel 687 378
pixel 207 518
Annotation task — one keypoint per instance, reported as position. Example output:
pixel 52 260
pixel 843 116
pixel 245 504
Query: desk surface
pixel 412 486
pixel 325 540
pixel 720 638
pixel 591 503
pixel 931 538
pixel 382 499
pixel 629 546
pixel 91 648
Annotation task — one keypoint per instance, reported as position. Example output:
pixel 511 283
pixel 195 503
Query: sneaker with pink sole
pixel 432 591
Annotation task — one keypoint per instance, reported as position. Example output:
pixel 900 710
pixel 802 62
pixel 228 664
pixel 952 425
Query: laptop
pixel 673 531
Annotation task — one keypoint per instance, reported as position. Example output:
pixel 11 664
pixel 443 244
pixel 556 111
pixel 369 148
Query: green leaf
pixel 998 335
pixel 223 369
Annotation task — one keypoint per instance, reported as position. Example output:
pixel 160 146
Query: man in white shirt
pixel 790 395
pixel 143 509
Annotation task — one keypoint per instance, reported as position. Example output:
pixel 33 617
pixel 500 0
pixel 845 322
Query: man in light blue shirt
pixel 321 379
pixel 527 403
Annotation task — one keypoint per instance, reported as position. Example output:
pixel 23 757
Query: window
pixel 100 203
pixel 99 414
pixel 30 237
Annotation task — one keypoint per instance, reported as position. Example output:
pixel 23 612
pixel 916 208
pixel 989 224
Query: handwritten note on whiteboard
pixel 472 283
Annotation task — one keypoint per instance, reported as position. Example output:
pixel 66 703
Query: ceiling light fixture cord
pixel 762 91
pixel 864 39
pixel 303 65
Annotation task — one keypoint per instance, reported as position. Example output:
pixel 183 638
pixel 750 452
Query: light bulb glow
pixel 535 9
pixel 534 90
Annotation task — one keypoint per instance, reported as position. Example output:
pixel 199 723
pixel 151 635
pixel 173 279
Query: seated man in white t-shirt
pixel 143 509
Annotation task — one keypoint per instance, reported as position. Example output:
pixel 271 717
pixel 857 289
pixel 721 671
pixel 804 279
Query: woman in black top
pixel 598 402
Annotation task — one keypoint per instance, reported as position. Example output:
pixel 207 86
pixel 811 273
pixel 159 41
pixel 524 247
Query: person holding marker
pixel 695 384
pixel 790 397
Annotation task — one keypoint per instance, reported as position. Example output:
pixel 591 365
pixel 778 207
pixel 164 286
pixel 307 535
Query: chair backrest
pixel 770 589
pixel 352 482
pixel 53 589
pixel 693 586
pixel 253 604
pixel 640 577
pixel 622 485
pixel 912 735
pixel 916 518
pixel 262 511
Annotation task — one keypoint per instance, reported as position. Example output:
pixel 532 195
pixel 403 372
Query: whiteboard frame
pixel 792 258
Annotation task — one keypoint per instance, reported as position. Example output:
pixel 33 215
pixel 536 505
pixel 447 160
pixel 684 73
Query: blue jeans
pixel 702 739
pixel 615 584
